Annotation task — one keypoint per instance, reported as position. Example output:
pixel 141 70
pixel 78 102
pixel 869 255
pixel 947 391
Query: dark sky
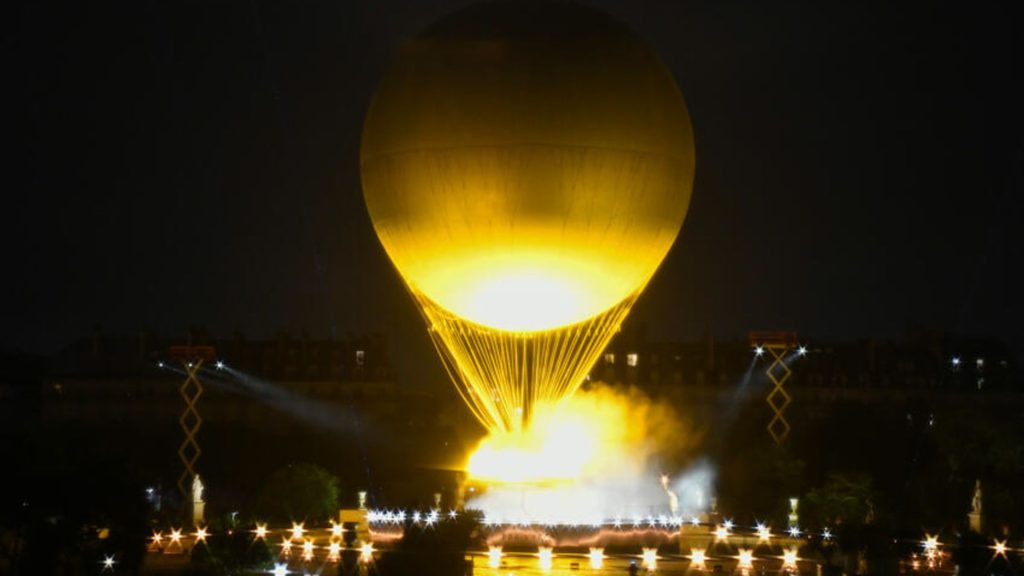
pixel 173 164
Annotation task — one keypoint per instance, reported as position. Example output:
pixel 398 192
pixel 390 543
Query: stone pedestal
pixel 974 521
pixel 198 511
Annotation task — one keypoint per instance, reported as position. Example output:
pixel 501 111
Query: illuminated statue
pixel 527 166
pixel 198 504
pixel 974 516
pixel 197 489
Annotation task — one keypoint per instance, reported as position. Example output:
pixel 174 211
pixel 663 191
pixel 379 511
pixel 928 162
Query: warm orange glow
pixel 200 534
pixel 157 538
pixel 261 531
pixel 789 558
pixel 334 552
pixel 494 556
pixel 545 558
pixel 366 552
pixel 587 434
pixel 697 558
pixel 721 534
pixel 650 558
pixel 526 216
pixel 307 550
pixel 336 530
pixel 176 536
pixel 746 559
pixel 297 530
pixel 1000 547
pixel 764 533
pixel 286 547
pixel 596 556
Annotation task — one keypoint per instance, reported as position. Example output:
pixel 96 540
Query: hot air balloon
pixel 526 166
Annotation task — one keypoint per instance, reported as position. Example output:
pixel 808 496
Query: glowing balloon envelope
pixel 527 166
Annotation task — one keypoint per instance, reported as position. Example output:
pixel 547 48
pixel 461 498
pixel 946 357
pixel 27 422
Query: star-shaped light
pixel 297 530
pixel 201 534
pixel 108 563
pixel 789 558
pixel 794 531
pixel 261 531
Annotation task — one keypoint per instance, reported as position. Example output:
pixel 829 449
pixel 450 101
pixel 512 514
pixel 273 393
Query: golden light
pixel 157 538
pixel 698 558
pixel 545 558
pixel 588 435
pixel 649 558
pixel 746 559
pixel 494 556
pixel 764 533
pixel 333 552
pixel 931 545
pixel 261 531
pixel 596 556
pixel 307 550
pixel 999 547
pixel 721 533
pixel 525 216
pixel 201 534
pixel 297 530
pixel 789 558
pixel 286 547
pixel 337 530
pixel 366 552
pixel 176 536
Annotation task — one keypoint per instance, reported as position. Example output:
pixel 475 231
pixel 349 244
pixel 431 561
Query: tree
pixel 301 493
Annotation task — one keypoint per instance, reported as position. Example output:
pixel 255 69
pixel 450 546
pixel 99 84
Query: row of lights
pixel 648 557
pixel 759 350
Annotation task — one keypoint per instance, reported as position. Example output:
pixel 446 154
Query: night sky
pixel 173 164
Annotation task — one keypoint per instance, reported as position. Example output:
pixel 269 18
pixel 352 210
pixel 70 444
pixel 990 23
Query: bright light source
pixel 695 521
pixel 176 536
pixel 158 537
pixel 746 559
pixel 545 558
pixel 108 563
pixel 452 514
pixel 334 552
pixel 297 531
pixel 955 361
pixel 789 558
pixel 728 524
pixel 220 365
pixel 596 558
pixel 201 534
pixel 999 547
pixel 307 550
pixel 366 553
pixel 698 558
pixel 650 558
pixel 758 350
pixel 336 530
pixel 721 534
pixel 280 570
pixel 931 543
pixel 794 531
pixel 261 531
pixel 494 557
pixel 286 547
pixel 632 359
pixel 826 534
pixel 802 350
pixel 764 533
